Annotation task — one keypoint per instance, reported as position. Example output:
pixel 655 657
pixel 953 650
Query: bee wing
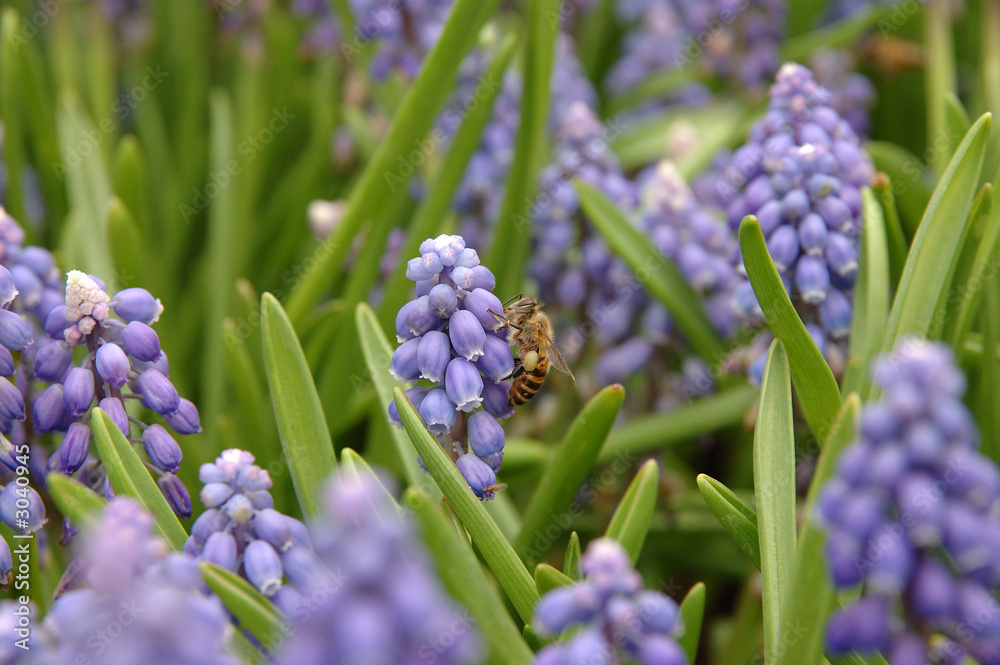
pixel 556 356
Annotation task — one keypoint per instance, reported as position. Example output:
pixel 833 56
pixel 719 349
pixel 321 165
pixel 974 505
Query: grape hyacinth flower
pixel 371 595
pixel 241 530
pixel 323 32
pixel 801 174
pixel 615 619
pixel 403 33
pixel 851 93
pixel 450 337
pixel 133 580
pixel 912 516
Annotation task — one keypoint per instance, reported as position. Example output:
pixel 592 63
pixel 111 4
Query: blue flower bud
pixel 863 627
pixel 933 591
pixel 404 365
pixel 438 411
pixel 812 234
pixel 11 401
pixel 28 286
pixel 270 525
pixel 480 302
pixel 163 451
pixel 50 299
pixel 783 246
pixel 464 384
pixel 416 396
pixel 7 289
pixel 478 474
pixel 835 314
pixel 433 354
pixel 496 399
pixel 891 568
pixel 186 420
pixel 141 341
pixel 769 217
pixel 795 205
pixel 137 304
pixel 12 514
pixel 563 607
pixel 15 333
pixel 157 392
pixel 176 495
pixel 420 318
pixel 6 561
pixel 48 410
pixel 209 522
pixel 657 612
pixel 835 213
pixel 263 567
pixel 56 322
pixel 74 448
pixel 304 569
pixel 6 362
pixel 416 271
pixel 443 300
pixel 220 549
pixel 116 411
pixel 486 438
pixel 661 650
pixel 214 494
pixel 112 364
pixel 78 391
pixel 842 257
pixel 52 360
pixel 812 279
pixel 497 362
pixel 467 334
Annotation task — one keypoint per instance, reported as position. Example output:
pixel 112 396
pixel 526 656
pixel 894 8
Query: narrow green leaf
pixel 815 385
pixel 871 296
pixel 957 118
pixel 571 562
pixel 412 121
pixel 931 259
pixel 378 354
pixel 737 518
pixel 774 487
pixel 650 432
pixel 840 34
pixel 989 388
pixel 78 503
pixel 256 613
pixel 512 235
pixel 463 577
pixel 128 174
pixel 811 597
pixel 897 246
pixel 551 502
pixel 496 551
pixel 653 270
pixel 692 614
pixel 127 250
pixel 630 522
pixel 939 77
pixel 129 477
pixel 302 428
pixel 254 408
pixel 548 578
pixel 906 172
pixel 657 86
pixel 982 268
pixel 11 110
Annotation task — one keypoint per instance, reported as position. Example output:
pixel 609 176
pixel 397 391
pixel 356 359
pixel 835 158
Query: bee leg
pixel 518 371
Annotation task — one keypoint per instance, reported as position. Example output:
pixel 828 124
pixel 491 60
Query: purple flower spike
pixel 52 360
pixel 48 410
pixel 141 341
pixel 157 392
pixel 112 365
pixel 78 392
pixel 15 333
pixel 8 291
pixel 263 567
pixel 163 451
pixel 11 401
pixel 74 448
pixel 137 304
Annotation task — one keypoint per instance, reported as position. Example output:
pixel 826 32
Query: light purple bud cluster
pixel 614 618
pixel 400 33
pixel 323 31
pixel 241 531
pixel 371 595
pixel 851 93
pixel 450 337
pixel 133 581
pixel 801 173
pixel 912 515
pixel 130 19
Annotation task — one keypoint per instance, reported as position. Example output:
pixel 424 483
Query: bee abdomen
pixel 526 386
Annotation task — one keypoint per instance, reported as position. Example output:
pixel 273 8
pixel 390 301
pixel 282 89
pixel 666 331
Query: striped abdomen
pixel 526 385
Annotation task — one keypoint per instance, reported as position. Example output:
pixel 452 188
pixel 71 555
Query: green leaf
pixel 692 614
pixel 571 562
pixel 982 267
pixel 989 378
pixel 567 469
pixel 840 34
pixel 811 596
pixel 897 246
pixel 378 355
pixel 774 487
pixel 463 577
pixel 548 578
pixel 255 613
pixel 129 477
pixel 496 551
pixel 79 504
pixel 411 122
pixel 302 428
pixel 649 432
pixel 939 78
pixel 815 385
pixel 512 237
pixel 657 86
pixel 11 110
pixel 931 259
pixel 871 296
pixel 630 522
pixel 737 518
pixel 653 270
pixel 906 172
pixel 127 249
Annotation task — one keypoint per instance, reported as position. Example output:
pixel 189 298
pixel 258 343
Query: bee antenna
pixel 517 297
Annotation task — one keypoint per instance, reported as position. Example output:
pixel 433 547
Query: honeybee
pixel 532 332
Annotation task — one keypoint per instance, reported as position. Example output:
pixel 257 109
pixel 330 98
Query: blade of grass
pixel 571 562
pixel 302 428
pixel 692 614
pixel 983 268
pixel 908 182
pixel 548 578
pixel 895 238
pixel 737 518
pixel 77 503
pixel 630 522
